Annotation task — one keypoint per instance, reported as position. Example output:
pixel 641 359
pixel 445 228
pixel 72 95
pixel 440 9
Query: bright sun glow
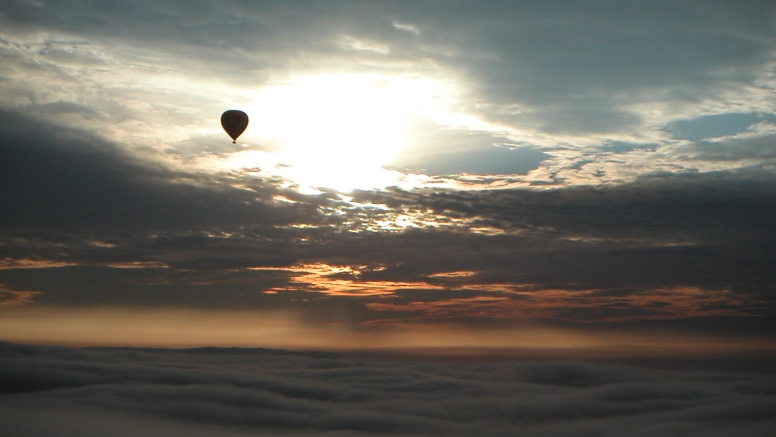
pixel 339 130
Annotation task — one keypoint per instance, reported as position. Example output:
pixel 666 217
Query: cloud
pixel 236 391
pixel 510 302
pixel 11 263
pixel 201 239
pixel 555 79
pixel 64 179
pixel 617 150
pixel 16 298
pixel 745 150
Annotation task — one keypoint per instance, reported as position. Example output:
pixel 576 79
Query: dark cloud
pixel 241 391
pixel 62 179
pixel 62 186
pixel 74 199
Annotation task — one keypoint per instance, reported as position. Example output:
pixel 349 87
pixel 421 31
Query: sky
pixel 445 217
pixel 594 178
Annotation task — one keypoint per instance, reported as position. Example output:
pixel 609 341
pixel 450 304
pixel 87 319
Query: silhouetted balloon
pixel 234 123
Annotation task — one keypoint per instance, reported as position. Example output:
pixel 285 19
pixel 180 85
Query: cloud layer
pixel 588 167
pixel 115 392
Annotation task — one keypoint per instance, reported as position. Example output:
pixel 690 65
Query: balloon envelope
pixel 234 123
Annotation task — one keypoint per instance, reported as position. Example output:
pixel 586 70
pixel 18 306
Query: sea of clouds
pixel 59 391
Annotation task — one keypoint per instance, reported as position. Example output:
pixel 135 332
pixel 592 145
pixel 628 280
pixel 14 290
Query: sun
pixel 338 131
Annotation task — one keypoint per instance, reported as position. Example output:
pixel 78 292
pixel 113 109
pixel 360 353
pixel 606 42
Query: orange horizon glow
pixel 183 328
pixel 392 323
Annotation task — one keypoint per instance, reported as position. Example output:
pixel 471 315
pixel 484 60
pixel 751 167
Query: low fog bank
pixel 59 391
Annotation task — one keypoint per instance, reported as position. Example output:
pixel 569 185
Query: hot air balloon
pixel 234 123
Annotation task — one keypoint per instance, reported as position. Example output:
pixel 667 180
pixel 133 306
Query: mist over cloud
pixel 241 391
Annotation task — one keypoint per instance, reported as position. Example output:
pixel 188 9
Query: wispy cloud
pixel 16 298
pixel 513 302
pixel 12 263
